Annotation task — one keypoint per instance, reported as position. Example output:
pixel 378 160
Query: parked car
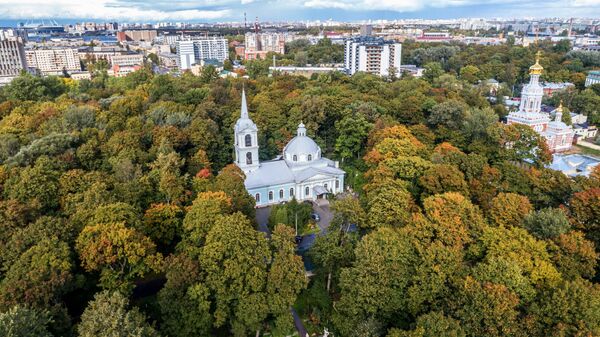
pixel 315 217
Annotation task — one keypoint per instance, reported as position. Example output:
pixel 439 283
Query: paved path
pixel 325 214
pixel 588 145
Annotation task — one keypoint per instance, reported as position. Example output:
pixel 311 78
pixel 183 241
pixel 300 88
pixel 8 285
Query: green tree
pixel 21 321
pixel 234 261
pixel 433 324
pixel 109 315
pixel 353 132
pixel 39 277
pixel 509 209
pixel 547 223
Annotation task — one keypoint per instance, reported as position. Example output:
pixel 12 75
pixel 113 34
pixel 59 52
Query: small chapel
pixel 300 172
pixel 558 135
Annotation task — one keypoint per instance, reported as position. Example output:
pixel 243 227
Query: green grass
pixel 587 150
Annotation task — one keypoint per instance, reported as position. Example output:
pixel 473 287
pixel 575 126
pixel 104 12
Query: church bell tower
pixel 246 140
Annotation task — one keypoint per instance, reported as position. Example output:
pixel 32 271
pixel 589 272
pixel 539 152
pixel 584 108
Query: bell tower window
pixel 249 158
pixel 248 140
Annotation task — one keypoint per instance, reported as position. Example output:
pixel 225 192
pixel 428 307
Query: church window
pixel 248 140
pixel 257 197
pixel 309 157
pixel 281 194
pixel 270 195
pixel 337 184
pixel 325 186
pixel 307 191
pixel 295 158
pixel 291 192
pixel 249 158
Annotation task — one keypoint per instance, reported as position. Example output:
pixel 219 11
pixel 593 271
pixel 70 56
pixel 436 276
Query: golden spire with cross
pixel 537 68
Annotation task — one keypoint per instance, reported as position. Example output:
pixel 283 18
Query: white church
pixel 300 172
pixel 557 134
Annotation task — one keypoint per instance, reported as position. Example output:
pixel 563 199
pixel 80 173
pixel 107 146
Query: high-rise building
pixel 12 57
pixel 372 55
pixel 53 61
pixel 190 52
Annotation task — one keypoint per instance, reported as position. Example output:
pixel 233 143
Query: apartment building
pixel 53 61
pixel 127 60
pixel 12 57
pixel 372 55
pixel 192 51
pixel 137 35
pixel 257 45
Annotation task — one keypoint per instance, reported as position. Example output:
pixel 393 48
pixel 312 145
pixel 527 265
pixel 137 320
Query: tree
pixel 469 73
pixel 20 321
pixel 231 181
pixel 509 209
pixel 353 132
pixel 574 256
pixel 335 249
pixel 432 71
pixel 571 309
pixel 181 315
pixel 286 278
pixel 202 215
pixel 547 223
pixel 235 263
pixel 39 277
pixel 385 253
pixel 121 254
pixel 433 324
pixel 486 309
pixel 162 223
pixel 37 185
pixel 443 178
pixel 108 315
pixel 520 143
pixel 390 204
pixel 585 213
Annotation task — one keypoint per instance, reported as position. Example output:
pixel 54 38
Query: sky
pixel 282 10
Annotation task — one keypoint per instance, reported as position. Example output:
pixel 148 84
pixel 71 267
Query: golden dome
pixel 537 68
pixel 560 107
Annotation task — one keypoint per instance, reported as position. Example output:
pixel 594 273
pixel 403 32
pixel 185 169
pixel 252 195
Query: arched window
pixel 281 194
pixel 295 158
pixel 257 197
pixel 249 158
pixel 291 192
pixel 248 140
pixel 307 191
pixel 270 195
pixel 309 157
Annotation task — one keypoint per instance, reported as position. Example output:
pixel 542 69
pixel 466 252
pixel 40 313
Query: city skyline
pixel 66 11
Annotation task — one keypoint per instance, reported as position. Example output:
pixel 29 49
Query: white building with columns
pixel 300 172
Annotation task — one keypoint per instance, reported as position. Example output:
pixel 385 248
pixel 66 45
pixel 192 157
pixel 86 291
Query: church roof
pixel 244 122
pixel 278 172
pixel 301 145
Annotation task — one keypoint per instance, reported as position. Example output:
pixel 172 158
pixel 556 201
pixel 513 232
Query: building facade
pixel 125 60
pixel 190 52
pixel 300 172
pixel 372 55
pixel 12 57
pixel 593 77
pixel 137 35
pixel 557 134
pixel 53 61
pixel 258 45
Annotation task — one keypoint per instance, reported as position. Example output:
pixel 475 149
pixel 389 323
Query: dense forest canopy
pixel 122 214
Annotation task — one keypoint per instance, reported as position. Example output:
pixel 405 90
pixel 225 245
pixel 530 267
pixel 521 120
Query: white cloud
pixel 416 5
pixel 106 9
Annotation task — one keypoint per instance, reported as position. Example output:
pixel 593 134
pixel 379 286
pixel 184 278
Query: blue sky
pixel 232 10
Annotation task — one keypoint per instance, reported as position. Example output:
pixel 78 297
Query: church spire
pixel 244 113
pixel 559 112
